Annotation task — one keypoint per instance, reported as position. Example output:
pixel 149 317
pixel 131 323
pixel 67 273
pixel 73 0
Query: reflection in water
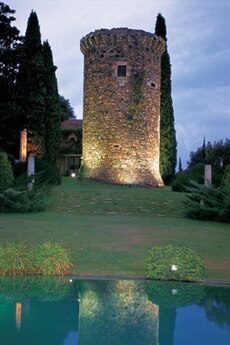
pixel 53 311
pixel 71 338
pixel 18 315
pixel 217 306
pixel 192 328
pixel 49 311
pixel 116 310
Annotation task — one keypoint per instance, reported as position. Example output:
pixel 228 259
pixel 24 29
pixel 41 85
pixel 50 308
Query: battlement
pixel 118 36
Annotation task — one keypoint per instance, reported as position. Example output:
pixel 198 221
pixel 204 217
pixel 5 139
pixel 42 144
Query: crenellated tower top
pixel 118 36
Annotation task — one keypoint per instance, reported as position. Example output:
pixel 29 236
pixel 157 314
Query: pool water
pixel 59 311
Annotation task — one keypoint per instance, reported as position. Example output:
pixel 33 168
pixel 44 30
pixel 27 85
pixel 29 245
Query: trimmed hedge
pixel 174 263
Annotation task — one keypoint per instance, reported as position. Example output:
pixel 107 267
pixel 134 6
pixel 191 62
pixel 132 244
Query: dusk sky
pixel 198 33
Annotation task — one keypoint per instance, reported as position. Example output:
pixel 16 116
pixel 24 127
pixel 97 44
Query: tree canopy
pixel 10 41
pixel 67 112
pixel 29 95
pixel 217 154
pixel 31 87
pixel 52 107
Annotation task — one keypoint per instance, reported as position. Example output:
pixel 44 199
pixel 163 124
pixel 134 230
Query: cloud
pixel 205 108
pixel 201 112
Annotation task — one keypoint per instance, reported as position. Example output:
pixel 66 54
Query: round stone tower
pixel 121 120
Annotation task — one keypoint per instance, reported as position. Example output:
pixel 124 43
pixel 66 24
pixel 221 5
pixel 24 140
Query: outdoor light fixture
pixel 73 174
pixel 174 268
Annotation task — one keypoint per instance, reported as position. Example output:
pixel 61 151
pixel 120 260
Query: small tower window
pixel 121 70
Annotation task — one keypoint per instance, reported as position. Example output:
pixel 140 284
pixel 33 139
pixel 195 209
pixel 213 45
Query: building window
pixel 121 70
pixel 152 84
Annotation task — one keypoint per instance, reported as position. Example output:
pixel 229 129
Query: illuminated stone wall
pixel 116 312
pixel 122 106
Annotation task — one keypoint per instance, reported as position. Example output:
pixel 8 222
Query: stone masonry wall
pixel 121 137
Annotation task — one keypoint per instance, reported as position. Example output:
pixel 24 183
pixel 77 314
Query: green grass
pixel 109 229
pixel 88 197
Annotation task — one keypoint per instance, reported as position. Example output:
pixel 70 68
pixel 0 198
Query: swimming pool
pixel 63 311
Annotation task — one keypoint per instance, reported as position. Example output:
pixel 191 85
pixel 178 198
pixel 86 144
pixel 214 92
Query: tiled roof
pixel 71 124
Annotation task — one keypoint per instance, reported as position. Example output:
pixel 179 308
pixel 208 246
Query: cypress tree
pixel 31 87
pixel 204 149
pixel 9 46
pixel 52 107
pixel 180 169
pixel 168 144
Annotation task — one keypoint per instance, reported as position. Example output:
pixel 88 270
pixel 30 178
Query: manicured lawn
pixel 87 197
pixel 109 229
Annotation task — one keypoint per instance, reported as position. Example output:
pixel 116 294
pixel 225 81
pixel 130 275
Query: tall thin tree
pixel 180 169
pixel 9 47
pixel 168 144
pixel 31 87
pixel 52 107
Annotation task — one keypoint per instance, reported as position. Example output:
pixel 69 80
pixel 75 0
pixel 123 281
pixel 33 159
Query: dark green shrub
pixel 6 173
pixel 12 160
pixel 21 198
pixel 208 203
pixel 174 263
pixel 195 173
pixel 13 259
pixel 50 259
pixel 24 200
pixel 19 169
pixel 46 173
pixel 226 178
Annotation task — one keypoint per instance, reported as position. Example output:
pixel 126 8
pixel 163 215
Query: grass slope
pixel 109 229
